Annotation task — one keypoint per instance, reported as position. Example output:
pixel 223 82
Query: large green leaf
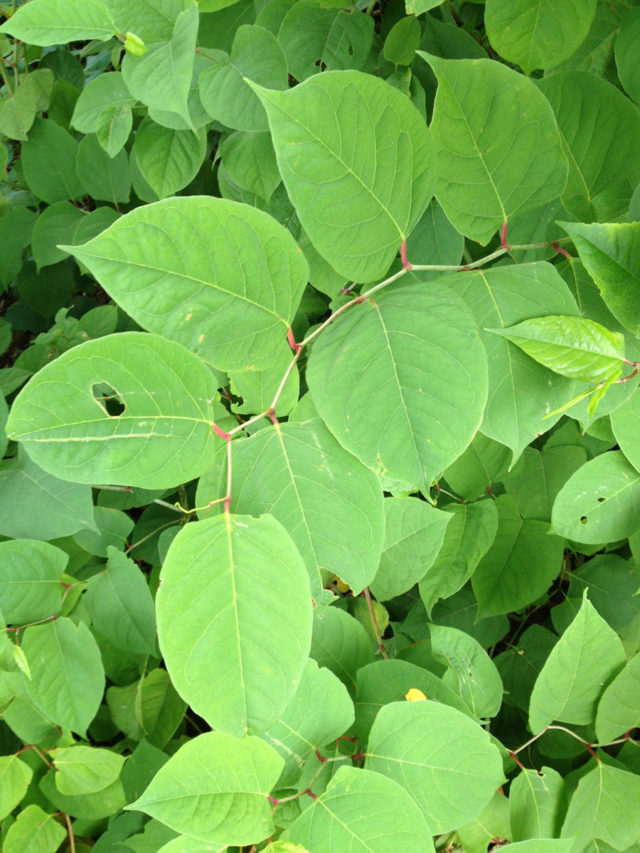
pixel 537 804
pixel 467 539
pixel 49 22
pixel 130 408
pixel 625 53
pixel 150 20
pixel 611 255
pixel 357 200
pixel 330 503
pixel 413 534
pixel 105 90
pixel 401 382
pixel 520 565
pixel 319 712
pixel 440 756
pixel 538 33
pixel 585 657
pixel 30 587
pixel 600 502
pixel 502 297
pixel 600 131
pixel 34 831
pixel 235 647
pixel 231 300
pixel 215 787
pixel 619 707
pixel 492 127
pixel 603 807
pixel 15 777
pixel 624 423
pixel 67 676
pixel 363 812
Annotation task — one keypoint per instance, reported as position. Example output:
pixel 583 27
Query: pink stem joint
pixel 403 255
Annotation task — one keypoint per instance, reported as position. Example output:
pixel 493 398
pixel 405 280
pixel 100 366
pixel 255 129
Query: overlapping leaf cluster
pixel 320 505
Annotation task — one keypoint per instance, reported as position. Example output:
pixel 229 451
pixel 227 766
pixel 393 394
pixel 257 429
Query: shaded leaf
pixel 30 574
pixel 619 707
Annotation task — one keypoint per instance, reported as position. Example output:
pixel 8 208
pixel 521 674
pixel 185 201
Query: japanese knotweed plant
pixel 320 505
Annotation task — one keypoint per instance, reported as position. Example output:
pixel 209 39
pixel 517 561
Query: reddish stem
pixel 503 236
pixel 272 417
pixel 220 433
pixel 320 757
pixel 403 255
pixel 292 341
pixel 514 757
pixel 357 756
pixel 560 250
pixel 310 793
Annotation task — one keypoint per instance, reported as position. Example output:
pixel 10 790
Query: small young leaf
pixel 572 346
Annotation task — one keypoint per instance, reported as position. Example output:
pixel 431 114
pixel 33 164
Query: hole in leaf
pixel 601 500
pixel 108 399
pixel 584 519
pixel 350 50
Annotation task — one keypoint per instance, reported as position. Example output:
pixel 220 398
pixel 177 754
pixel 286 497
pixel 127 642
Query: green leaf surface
pixel 67 676
pixel 402 41
pixel 610 255
pixel 250 161
pixel 30 573
pixel 572 346
pixel 56 224
pixel 538 34
pixel 385 181
pixel 161 78
pixel 51 178
pixel 619 708
pixel 603 807
pixel 85 769
pixel 215 787
pixel 467 539
pixel 15 777
pixel 168 159
pixel 340 643
pixel 440 756
pixel 34 831
pixel 414 532
pixel 234 647
pixel 503 297
pixel 150 20
pixel 584 659
pixel 612 583
pixel 600 502
pixel 363 811
pixel 491 126
pixel 258 388
pixel 104 91
pixel 329 502
pixel 101 804
pixel 520 565
pixel 49 22
pixel 319 712
pixel 231 303
pixel 386 376
pixel 537 477
pixel 483 463
pixel 625 54
pixel 113 128
pixel 159 435
pixel 470 670
pixel 537 804
pixel 624 423
pixel 121 607
pixel 103 177
pixel 35 505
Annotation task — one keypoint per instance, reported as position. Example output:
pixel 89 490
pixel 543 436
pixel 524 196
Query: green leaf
pixel 603 807
pixel 15 777
pixel 363 811
pixel 537 477
pixel 585 657
pixel 600 502
pixel 231 303
pixel 148 708
pixel 624 423
pixel 600 131
pixel 258 388
pixel 161 78
pixel 483 463
pixel 56 224
pixel 250 160
pixel 113 128
pixel 618 709
pixel 572 346
pixel 385 181
pixel 151 21
pixel 49 22
pixel 387 374
pixel 215 787
pixel 470 669
pixel 103 177
pixel 121 607
pixel 610 254
pixel 520 565
pixel 491 126
pixel 34 831
pixel 85 769
pixel 187 844
pixel 18 110
pixel 101 804
pixel 90 394
pixel 440 756
pixel 467 539
pixel 255 55
pixel 538 34
pixel 67 677
pixel 30 574
pixel 612 583
pixel 168 159
pixel 234 646
pixel 50 178
pixel 503 297
pixel 413 537
pixel 402 41
pixel 625 54
pixel 104 91
pixel 330 503
pixel 340 644
pixel 537 804
pixel 319 712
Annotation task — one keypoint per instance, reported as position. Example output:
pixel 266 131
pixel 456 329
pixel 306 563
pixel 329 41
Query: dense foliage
pixel 320 505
